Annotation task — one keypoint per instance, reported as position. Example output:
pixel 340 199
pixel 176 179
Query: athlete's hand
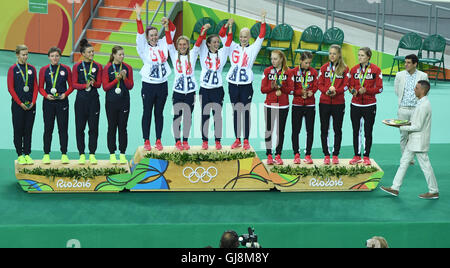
pixel 138 10
pixel 230 23
pixel 205 28
pixel 263 15
pixel 24 107
pixel 165 23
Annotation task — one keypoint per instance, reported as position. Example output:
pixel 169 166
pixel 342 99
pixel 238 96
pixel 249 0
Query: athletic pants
pixel 336 111
pixel 59 110
pixel 298 113
pixel 280 116
pixel 241 97
pixel 117 113
pixel 357 114
pixel 212 101
pixel 23 122
pixel 154 98
pixel 87 111
pixel 183 106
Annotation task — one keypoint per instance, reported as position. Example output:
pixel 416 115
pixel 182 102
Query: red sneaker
pixel 326 160
pixel 356 159
pixel 278 160
pixel 158 145
pixel 270 160
pixel 147 145
pixel 186 145
pixel 236 144
pixel 218 146
pixel 308 160
pixel 205 145
pixel 246 145
pixel 335 160
pixel 297 159
pixel 179 146
pixel 367 161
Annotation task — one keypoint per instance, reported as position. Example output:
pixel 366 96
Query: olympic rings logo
pixel 200 173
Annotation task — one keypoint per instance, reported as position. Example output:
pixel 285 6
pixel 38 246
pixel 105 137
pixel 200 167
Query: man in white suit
pixel 418 144
pixel 405 82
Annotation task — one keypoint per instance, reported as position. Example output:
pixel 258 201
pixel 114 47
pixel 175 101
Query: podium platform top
pixel 194 150
pixel 73 164
pixel 318 163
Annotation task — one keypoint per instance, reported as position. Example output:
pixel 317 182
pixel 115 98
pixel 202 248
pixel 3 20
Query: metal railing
pixel 437 17
pixel 163 4
pixel 380 17
pixel 93 11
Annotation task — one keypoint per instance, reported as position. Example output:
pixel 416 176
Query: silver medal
pixel 88 89
pixel 26 88
pixel 118 91
pixel 53 91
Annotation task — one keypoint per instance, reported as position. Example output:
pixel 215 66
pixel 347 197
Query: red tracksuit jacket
pixel 287 87
pixel 373 84
pixel 341 85
pixel 298 88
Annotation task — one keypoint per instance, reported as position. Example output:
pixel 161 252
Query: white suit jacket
pixel 400 83
pixel 420 129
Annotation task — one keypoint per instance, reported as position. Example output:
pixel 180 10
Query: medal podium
pixel 195 170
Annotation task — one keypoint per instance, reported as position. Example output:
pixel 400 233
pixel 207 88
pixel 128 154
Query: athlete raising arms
pixel 240 78
pixel 185 85
pixel 212 60
pixel 154 53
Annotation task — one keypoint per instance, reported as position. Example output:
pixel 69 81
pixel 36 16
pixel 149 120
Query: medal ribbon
pixel 117 73
pixel 54 79
pixel 24 77
pixel 90 71
pixel 305 79
pixel 363 80
pixel 332 74
pixel 280 78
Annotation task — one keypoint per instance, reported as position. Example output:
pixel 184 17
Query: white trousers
pixel 404 113
pixel 425 165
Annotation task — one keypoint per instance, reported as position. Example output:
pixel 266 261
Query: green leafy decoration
pixel 325 171
pixel 181 159
pixel 82 173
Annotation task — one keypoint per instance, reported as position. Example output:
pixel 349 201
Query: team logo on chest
pixel 236 57
pixel 187 65
pixel 209 63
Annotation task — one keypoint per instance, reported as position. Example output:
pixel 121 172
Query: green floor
pixel 198 219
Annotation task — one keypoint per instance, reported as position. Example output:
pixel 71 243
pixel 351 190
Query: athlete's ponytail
pixel 83 45
pixel 114 52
